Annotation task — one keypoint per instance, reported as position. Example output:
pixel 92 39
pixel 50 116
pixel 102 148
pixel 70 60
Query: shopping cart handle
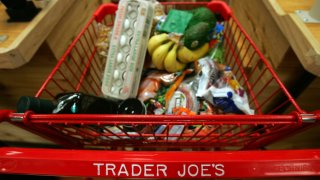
pixel 221 8
pixel 103 10
pixel 317 115
pixel 216 6
pixel 313 117
pixel 4 114
pixel 157 164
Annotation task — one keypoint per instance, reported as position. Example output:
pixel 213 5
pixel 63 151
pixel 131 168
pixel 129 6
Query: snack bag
pixel 152 82
pixel 219 86
pixel 184 100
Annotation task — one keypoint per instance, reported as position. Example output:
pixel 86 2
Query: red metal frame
pixel 80 66
pixel 244 132
pixel 141 164
pixel 80 69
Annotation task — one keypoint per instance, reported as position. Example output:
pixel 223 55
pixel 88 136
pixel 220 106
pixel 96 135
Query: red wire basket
pixel 81 69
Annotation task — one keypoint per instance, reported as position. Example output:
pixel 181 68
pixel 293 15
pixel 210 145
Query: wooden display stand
pixel 51 44
pixel 291 46
pixel 304 37
pixel 24 38
pixel 271 25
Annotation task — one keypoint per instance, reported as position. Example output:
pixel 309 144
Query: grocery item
pixel 231 80
pixel 118 132
pixel 186 55
pixel 210 74
pixel 182 102
pixel 182 111
pixel 155 107
pixel 242 103
pixel 199 28
pixel 170 92
pixel 163 49
pixel 206 108
pixel 202 14
pixel 150 85
pixel 176 21
pixel 158 88
pixel 159 55
pixel 197 35
pixel 188 79
pixel 219 86
pixel 189 44
pixel 131 106
pixel 183 97
pixel 80 103
pixel 216 53
pixel 223 99
pixel 229 101
pixel 127 49
pixel 103 41
pixel 68 103
pixel 218 31
pixel 159 16
pixel 171 63
pixel 156 40
pixel 199 130
pixel 175 130
pixel 37 105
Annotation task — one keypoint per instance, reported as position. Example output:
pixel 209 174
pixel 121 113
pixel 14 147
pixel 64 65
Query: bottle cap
pixel 34 104
pixel 131 106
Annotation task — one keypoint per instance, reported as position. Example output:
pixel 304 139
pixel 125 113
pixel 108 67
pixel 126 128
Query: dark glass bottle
pixel 80 103
pixel 68 103
pixel 37 105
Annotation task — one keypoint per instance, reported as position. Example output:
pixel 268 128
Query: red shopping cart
pixel 230 149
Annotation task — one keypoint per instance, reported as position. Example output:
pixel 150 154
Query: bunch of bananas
pixel 168 55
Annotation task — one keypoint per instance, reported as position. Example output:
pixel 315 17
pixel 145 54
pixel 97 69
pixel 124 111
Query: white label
pixel 178 99
pixel 152 170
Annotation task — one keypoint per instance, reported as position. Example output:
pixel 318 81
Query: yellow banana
pixel 186 55
pixel 155 41
pixel 170 63
pixel 160 54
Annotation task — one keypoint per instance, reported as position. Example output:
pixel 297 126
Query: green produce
pixel 216 53
pixel 197 35
pixel 176 21
pixel 202 14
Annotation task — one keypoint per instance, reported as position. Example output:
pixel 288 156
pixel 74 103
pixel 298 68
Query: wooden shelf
pixel 11 30
pixel 304 38
pixel 24 38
